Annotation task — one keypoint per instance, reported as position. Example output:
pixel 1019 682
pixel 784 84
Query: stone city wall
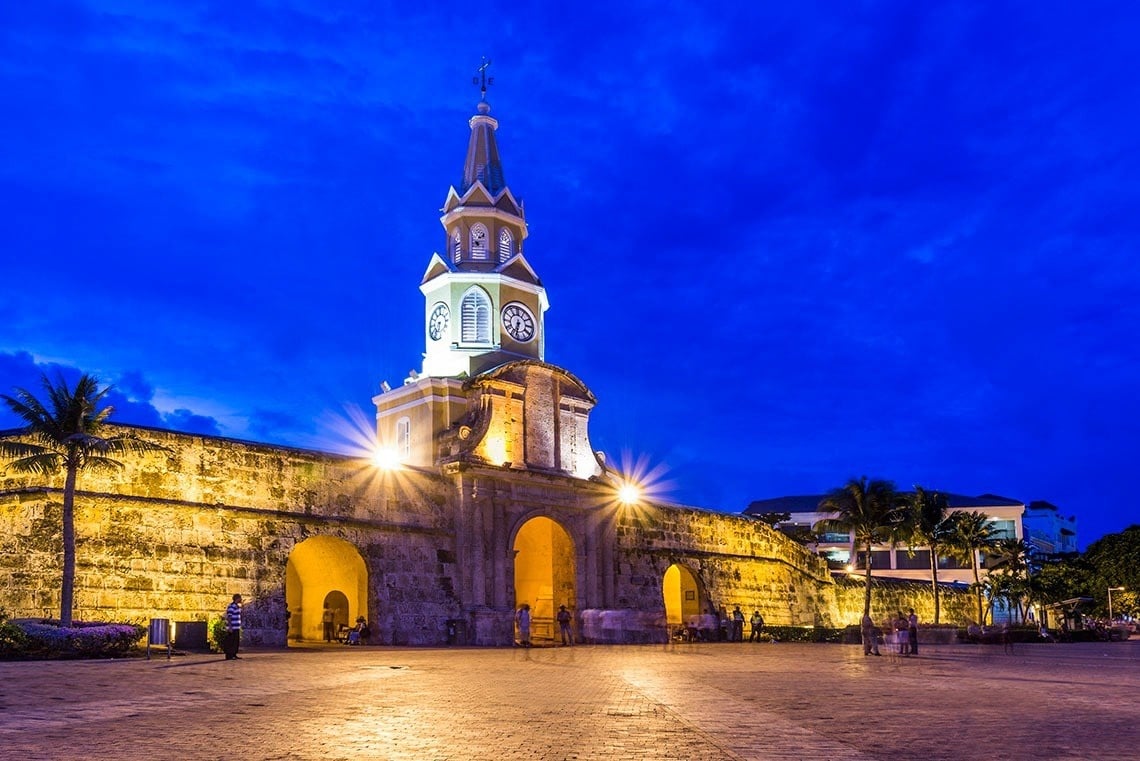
pixel 736 561
pixel 175 534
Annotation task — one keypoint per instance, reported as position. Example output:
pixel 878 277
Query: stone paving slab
pixel 699 701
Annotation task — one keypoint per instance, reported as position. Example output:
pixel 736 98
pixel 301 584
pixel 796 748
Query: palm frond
pixel 42 463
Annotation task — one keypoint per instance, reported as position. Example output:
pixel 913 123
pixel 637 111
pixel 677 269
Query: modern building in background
pixel 1048 532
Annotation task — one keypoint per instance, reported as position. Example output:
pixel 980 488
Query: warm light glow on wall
pixel 496 448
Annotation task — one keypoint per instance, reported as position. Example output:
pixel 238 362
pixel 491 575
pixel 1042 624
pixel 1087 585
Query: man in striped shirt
pixel 233 629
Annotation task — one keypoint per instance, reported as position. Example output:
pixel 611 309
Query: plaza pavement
pixel 699 701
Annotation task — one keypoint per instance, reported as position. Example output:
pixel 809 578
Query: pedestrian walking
pixel 328 621
pixel 870 639
pixel 522 618
pixel 232 638
pixel 564 626
pixel 757 623
pixel 912 631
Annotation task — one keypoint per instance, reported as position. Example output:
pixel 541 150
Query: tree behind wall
pixel 872 512
pixel 62 433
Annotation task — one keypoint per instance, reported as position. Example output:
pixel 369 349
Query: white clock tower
pixel 483 303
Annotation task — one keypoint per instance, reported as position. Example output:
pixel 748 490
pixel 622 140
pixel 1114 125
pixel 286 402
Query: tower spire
pixel 483 164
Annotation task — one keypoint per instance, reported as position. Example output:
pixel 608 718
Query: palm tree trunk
pixel 978 587
pixel 67 589
pixel 934 578
pixel 867 593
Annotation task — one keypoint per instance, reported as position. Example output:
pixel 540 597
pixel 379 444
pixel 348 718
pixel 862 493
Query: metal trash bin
pixel 158 635
pixel 191 635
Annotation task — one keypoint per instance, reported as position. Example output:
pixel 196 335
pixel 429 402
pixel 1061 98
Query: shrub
pixel 804 633
pixel 13 641
pixel 217 634
pixel 88 640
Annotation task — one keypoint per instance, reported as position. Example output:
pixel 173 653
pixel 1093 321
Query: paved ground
pixel 702 701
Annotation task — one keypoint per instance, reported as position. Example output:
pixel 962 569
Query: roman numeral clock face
pixel 437 323
pixel 518 322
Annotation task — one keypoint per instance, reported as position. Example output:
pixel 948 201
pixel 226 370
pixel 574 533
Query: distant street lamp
pixel 1110 591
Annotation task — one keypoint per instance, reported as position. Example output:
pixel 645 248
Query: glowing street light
pixel 386 458
pixel 629 494
pixel 1110 591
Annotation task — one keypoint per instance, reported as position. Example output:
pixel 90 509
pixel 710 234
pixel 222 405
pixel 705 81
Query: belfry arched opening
pixel 324 570
pixel 544 574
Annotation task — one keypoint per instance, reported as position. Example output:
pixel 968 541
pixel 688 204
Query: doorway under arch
pixel 320 570
pixel 683 596
pixel 544 573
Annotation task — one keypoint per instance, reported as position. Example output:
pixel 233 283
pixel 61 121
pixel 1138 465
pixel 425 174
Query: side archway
pixel 544 573
pixel 324 570
pixel 684 598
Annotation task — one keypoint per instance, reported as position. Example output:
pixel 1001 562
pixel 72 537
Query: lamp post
pixel 1110 591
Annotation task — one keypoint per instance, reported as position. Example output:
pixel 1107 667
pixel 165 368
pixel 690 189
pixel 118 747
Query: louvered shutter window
pixel 404 438
pixel 457 245
pixel 478 242
pixel 505 245
pixel 476 317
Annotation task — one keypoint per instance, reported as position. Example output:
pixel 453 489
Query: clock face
pixel 437 323
pixel 518 322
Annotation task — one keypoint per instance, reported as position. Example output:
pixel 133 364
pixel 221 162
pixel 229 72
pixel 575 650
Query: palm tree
pixel 1010 558
pixel 934 526
pixel 973 533
pixel 872 512
pixel 63 434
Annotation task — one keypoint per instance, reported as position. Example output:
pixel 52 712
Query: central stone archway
pixel 324 570
pixel 544 573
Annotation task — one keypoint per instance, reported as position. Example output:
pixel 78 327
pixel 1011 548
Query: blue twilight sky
pixel 783 245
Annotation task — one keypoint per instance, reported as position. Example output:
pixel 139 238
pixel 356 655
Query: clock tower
pixel 484 304
pixel 486 396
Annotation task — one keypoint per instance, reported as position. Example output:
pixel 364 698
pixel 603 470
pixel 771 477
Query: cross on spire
pixel 483 80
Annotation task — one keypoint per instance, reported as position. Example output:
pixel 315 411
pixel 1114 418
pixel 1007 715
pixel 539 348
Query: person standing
pixel 737 624
pixel 757 625
pixel 912 630
pixel 564 626
pixel 522 618
pixel 232 638
pixel 328 621
pixel 867 630
pixel 902 636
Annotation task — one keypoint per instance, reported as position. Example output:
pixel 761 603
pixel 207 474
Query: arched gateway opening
pixel 544 574
pixel 324 570
pixel 683 598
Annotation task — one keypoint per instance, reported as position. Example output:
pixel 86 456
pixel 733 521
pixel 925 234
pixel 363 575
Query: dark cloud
pixel 131 396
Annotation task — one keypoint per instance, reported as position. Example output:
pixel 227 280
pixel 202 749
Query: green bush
pixel 217 629
pixel 803 633
pixel 13 641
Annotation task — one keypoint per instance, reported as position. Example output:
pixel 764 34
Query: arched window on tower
pixel 403 438
pixel 475 317
pixel 456 245
pixel 478 242
pixel 506 245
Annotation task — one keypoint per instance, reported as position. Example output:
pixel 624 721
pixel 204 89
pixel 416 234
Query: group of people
pixel 523 619
pixel 231 621
pixel 900 632
pixel 721 626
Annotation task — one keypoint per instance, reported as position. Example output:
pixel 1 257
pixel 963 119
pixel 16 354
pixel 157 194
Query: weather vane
pixel 483 80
